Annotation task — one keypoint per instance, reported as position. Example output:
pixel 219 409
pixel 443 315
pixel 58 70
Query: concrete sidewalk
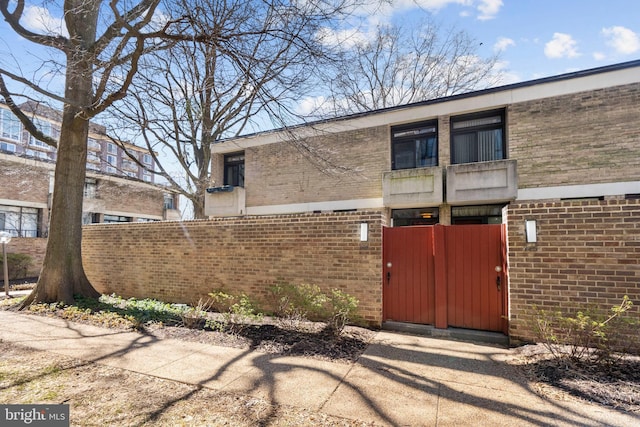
pixel 399 380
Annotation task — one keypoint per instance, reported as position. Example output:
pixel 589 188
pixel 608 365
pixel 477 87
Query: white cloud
pixel 489 9
pixel 39 19
pixel 507 76
pixel 599 56
pixel 622 39
pixel 503 43
pixel 561 46
pixel 345 38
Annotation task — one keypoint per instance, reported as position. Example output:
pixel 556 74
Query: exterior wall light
pixel 4 239
pixel 530 231
pixel 364 232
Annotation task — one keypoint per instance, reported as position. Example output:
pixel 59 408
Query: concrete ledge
pixel 483 182
pixel 449 333
pixel 410 188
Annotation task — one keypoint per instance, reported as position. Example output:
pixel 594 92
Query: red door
pixel 408 274
pixel 475 277
pixel 470 284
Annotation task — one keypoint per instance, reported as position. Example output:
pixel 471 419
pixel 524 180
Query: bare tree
pixel 98 59
pixel 192 95
pixel 397 66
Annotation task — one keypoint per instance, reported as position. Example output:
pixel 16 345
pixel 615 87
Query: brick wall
pixel 587 254
pixel 597 130
pixel 183 261
pixel 35 247
pixel 128 197
pixel 24 179
pixel 341 166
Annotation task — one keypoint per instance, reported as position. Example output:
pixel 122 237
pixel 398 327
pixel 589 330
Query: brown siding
pixel 587 254
pixel 184 261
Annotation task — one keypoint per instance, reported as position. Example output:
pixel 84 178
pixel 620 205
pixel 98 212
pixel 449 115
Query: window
pixel 93 157
pixel 147 177
pixel 419 216
pixel 93 166
pixel 19 221
pixel 146 159
pixel 478 138
pixel 113 163
pixel 37 154
pixel 414 146
pixel 94 144
pixel 10 126
pixel 90 186
pixel 129 165
pixel 486 214
pixel 5 146
pixel 168 201
pixel 44 127
pixel 111 148
pixel 234 169
pixel 90 218
pixel 116 218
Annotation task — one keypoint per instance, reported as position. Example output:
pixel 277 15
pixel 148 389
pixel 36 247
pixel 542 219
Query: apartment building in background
pixel 117 189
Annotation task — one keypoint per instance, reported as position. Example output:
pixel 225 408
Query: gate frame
pixel 441 283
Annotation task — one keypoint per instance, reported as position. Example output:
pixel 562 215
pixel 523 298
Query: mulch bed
pixel 614 383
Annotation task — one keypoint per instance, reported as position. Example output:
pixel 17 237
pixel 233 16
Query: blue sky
pixel 539 38
pixel 535 38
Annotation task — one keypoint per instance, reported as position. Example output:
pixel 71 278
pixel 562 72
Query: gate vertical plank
pixel 440 286
pixel 409 294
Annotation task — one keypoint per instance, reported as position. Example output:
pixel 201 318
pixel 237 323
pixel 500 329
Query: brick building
pixel 116 188
pixel 553 163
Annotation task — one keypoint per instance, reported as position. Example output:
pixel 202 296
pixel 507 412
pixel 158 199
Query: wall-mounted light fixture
pixel 364 232
pixel 530 231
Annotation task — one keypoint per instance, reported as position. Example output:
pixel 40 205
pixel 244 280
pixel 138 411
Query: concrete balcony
pixel 483 182
pixel 225 201
pixel 412 188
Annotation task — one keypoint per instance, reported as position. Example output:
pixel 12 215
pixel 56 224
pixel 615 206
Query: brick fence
pixel 34 247
pixel 587 255
pixel 184 261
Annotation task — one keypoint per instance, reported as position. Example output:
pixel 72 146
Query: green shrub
pixel 18 265
pixel 295 303
pixel 238 311
pixel 298 302
pixel 195 317
pixel 341 309
pixel 590 333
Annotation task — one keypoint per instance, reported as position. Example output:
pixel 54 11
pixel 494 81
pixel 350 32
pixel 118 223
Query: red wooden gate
pixel 408 294
pixel 446 276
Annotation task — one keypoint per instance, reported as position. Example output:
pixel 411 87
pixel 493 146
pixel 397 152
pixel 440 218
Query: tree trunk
pixel 198 206
pixel 62 274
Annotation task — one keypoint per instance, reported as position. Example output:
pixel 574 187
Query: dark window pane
pixel 414 146
pixel 478 139
pixel 234 170
pixel 404 155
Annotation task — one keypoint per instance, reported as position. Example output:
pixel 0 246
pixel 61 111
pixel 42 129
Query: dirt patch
pixel 308 340
pixel 615 383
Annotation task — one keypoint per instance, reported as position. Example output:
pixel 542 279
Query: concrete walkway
pixel 401 380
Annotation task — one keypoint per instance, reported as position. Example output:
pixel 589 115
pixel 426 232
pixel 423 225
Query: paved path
pixel 400 380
